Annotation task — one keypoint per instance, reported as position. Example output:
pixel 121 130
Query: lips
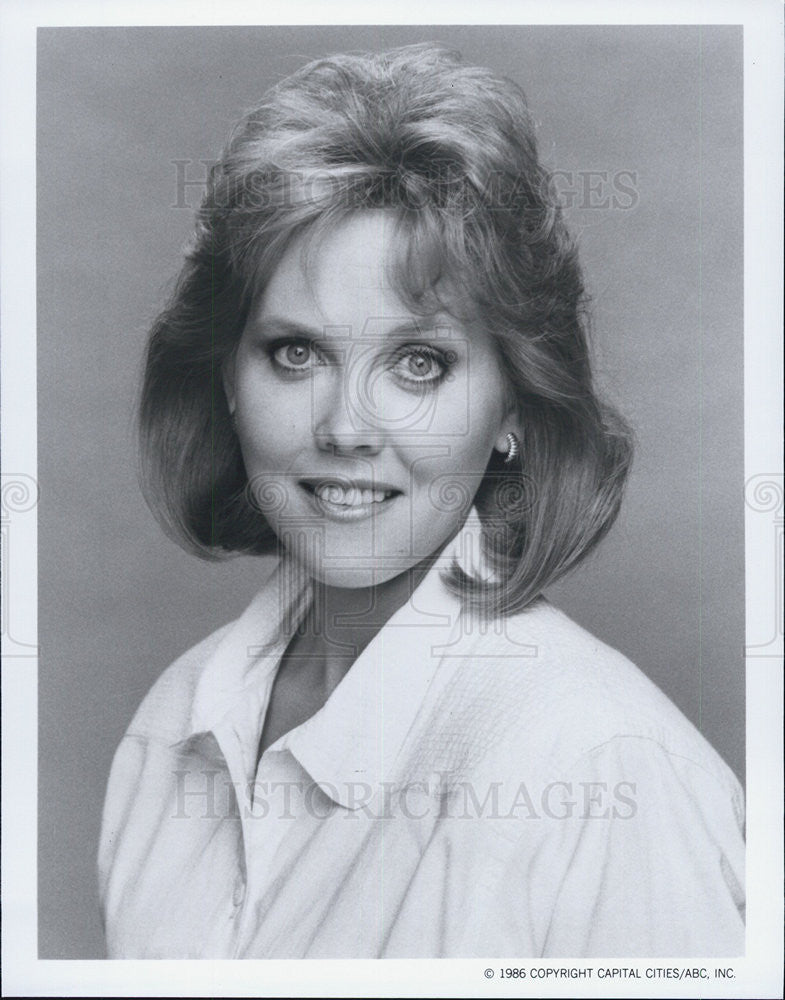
pixel 334 495
pixel 349 492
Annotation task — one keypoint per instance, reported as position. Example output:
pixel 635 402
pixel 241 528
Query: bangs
pixel 430 268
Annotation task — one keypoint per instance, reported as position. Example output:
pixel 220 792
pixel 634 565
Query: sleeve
pixel 639 853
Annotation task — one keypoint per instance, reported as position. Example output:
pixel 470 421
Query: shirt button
pixel 239 892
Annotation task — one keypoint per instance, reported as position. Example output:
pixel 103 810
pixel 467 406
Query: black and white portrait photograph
pixel 392 501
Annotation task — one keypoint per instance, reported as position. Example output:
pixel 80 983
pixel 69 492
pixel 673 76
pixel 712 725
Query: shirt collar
pixel 252 647
pixel 354 740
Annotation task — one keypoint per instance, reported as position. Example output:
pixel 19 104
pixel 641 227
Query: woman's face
pixel 365 430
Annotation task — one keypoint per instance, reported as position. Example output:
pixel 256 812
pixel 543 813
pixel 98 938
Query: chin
pixel 357 577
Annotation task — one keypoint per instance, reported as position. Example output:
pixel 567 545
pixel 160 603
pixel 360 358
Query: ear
pixel 510 424
pixel 227 377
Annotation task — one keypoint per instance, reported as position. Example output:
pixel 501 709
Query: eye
pixel 421 365
pixel 293 355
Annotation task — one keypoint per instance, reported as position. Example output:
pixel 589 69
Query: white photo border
pixel 758 974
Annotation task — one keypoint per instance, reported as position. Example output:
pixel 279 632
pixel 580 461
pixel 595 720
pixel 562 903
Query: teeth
pixel 351 497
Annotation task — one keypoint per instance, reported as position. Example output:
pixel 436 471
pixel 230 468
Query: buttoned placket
pixel 237 736
pixel 268 807
pixel 265 819
pixel 231 752
pixel 236 696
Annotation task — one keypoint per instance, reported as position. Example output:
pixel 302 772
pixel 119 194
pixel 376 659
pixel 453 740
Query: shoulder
pixel 538 687
pixel 165 711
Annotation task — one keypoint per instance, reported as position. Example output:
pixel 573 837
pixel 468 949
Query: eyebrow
pixel 282 327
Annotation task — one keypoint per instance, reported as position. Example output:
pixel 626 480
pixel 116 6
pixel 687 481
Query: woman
pixel 375 365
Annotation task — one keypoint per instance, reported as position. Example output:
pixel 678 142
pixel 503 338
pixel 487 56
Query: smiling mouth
pixel 348 495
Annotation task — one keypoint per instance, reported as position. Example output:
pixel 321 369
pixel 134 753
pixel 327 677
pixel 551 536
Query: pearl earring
pixel 513 448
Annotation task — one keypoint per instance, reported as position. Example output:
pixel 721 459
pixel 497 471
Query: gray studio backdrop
pixel 643 125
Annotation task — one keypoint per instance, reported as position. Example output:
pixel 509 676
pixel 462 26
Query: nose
pixel 345 418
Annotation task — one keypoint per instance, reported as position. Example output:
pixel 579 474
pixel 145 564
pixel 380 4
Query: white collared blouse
pixel 511 789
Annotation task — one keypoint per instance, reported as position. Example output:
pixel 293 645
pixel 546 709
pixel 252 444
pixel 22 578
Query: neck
pixel 372 604
pixel 348 617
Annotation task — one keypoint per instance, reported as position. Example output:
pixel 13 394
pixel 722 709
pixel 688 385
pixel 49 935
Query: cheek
pixel 445 485
pixel 464 430
pixel 270 422
pixel 468 419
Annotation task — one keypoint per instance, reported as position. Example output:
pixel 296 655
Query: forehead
pixel 364 267
pixel 350 266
